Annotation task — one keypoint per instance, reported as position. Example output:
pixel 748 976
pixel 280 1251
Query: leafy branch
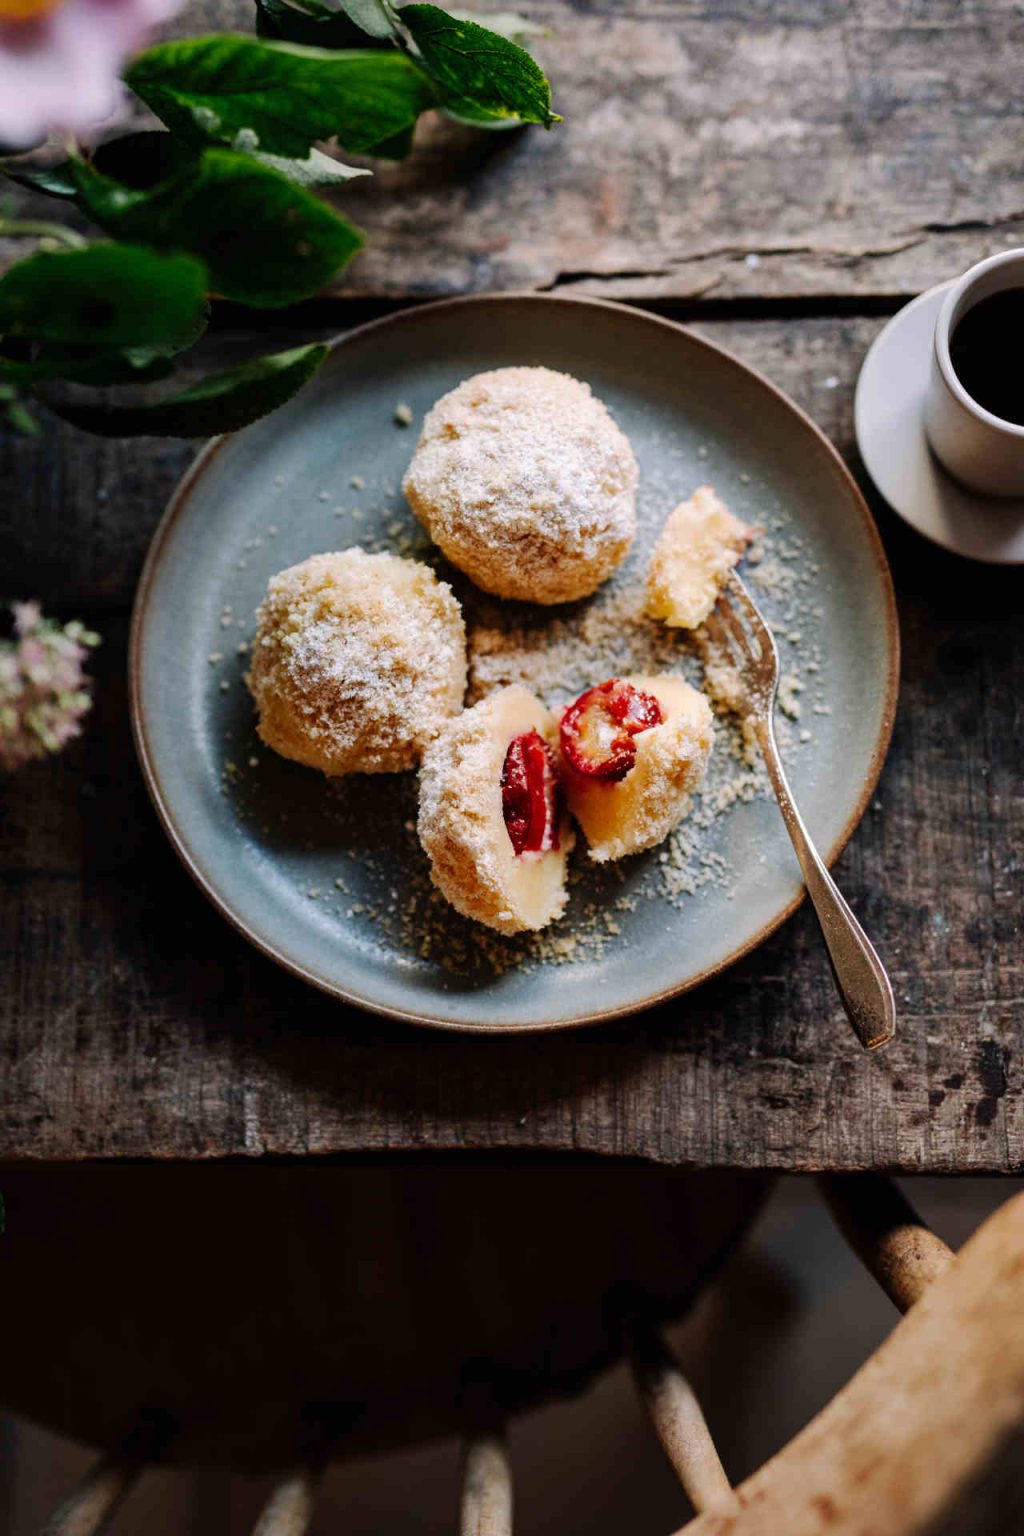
pixel 221 202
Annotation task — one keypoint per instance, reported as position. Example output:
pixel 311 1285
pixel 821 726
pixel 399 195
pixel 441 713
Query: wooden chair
pixel 927 1439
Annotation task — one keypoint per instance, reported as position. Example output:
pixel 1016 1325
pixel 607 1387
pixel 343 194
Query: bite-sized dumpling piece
pixel 699 545
pixel 357 662
pixel 491 817
pixel 526 483
pixel 632 751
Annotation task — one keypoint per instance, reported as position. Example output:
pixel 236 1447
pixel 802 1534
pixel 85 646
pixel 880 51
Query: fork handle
pixel 860 976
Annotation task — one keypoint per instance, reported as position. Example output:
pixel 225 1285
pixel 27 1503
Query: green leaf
pixel 141 160
pixel 81 366
pixel 317 170
pixel 137 159
pixel 398 146
pixel 506 23
pixel 108 295
pixel 306 22
pixel 51 179
pixel 22 420
pixel 370 16
pixel 264 240
pixel 318 26
pixel 282 98
pixel 222 403
pixel 481 77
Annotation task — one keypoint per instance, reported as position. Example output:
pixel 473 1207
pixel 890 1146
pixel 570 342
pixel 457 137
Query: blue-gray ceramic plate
pixel 328 878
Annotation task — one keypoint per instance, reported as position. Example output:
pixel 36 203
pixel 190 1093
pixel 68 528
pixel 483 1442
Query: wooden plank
pixel 748 149
pixel 744 150
pixel 135 1023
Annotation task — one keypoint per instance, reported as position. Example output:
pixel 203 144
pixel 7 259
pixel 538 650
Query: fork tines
pixel 735 627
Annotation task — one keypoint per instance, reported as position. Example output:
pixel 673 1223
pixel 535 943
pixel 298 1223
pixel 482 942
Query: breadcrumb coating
pixel 523 479
pixel 357 662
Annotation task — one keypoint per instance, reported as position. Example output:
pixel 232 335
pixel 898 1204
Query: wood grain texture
pixel 765 148
pixel 926 1439
pixel 135 1023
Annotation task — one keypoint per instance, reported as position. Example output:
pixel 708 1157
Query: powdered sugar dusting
pixel 357 660
pixel 526 483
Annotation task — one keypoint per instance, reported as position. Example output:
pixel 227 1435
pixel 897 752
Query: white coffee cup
pixel 979 449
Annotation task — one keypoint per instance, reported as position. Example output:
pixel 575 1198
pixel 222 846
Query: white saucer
pixel 889 422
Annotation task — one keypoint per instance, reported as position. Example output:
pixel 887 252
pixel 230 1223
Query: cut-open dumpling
pixel 490 814
pixel 698 547
pixel 632 751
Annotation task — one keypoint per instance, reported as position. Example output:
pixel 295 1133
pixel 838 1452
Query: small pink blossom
pixel 60 61
pixel 27 617
pixel 44 691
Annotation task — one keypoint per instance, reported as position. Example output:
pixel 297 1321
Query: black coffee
pixel 987 353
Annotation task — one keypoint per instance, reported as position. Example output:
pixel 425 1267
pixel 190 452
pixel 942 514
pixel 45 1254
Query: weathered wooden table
pixel 781 175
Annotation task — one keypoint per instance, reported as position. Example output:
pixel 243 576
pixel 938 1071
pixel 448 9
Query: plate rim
pixel 178 502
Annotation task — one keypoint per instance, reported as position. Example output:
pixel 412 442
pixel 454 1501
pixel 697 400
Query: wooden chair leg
pixel 678 1421
pixel 887 1234
pixel 88 1510
pixel 289 1510
pixel 486 1508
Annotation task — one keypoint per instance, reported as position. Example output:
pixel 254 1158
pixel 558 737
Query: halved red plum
pixel 529 794
pixel 491 816
pixel 640 767
pixel 598 731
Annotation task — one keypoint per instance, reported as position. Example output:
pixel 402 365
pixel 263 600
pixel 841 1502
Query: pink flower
pixel 59 62
pixel 27 617
pixel 44 692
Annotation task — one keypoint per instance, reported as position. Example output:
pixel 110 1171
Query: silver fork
pixel 745 638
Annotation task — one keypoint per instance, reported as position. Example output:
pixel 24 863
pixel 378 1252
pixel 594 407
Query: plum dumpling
pixel 491 818
pixel 523 479
pixel 632 750
pixel 357 661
